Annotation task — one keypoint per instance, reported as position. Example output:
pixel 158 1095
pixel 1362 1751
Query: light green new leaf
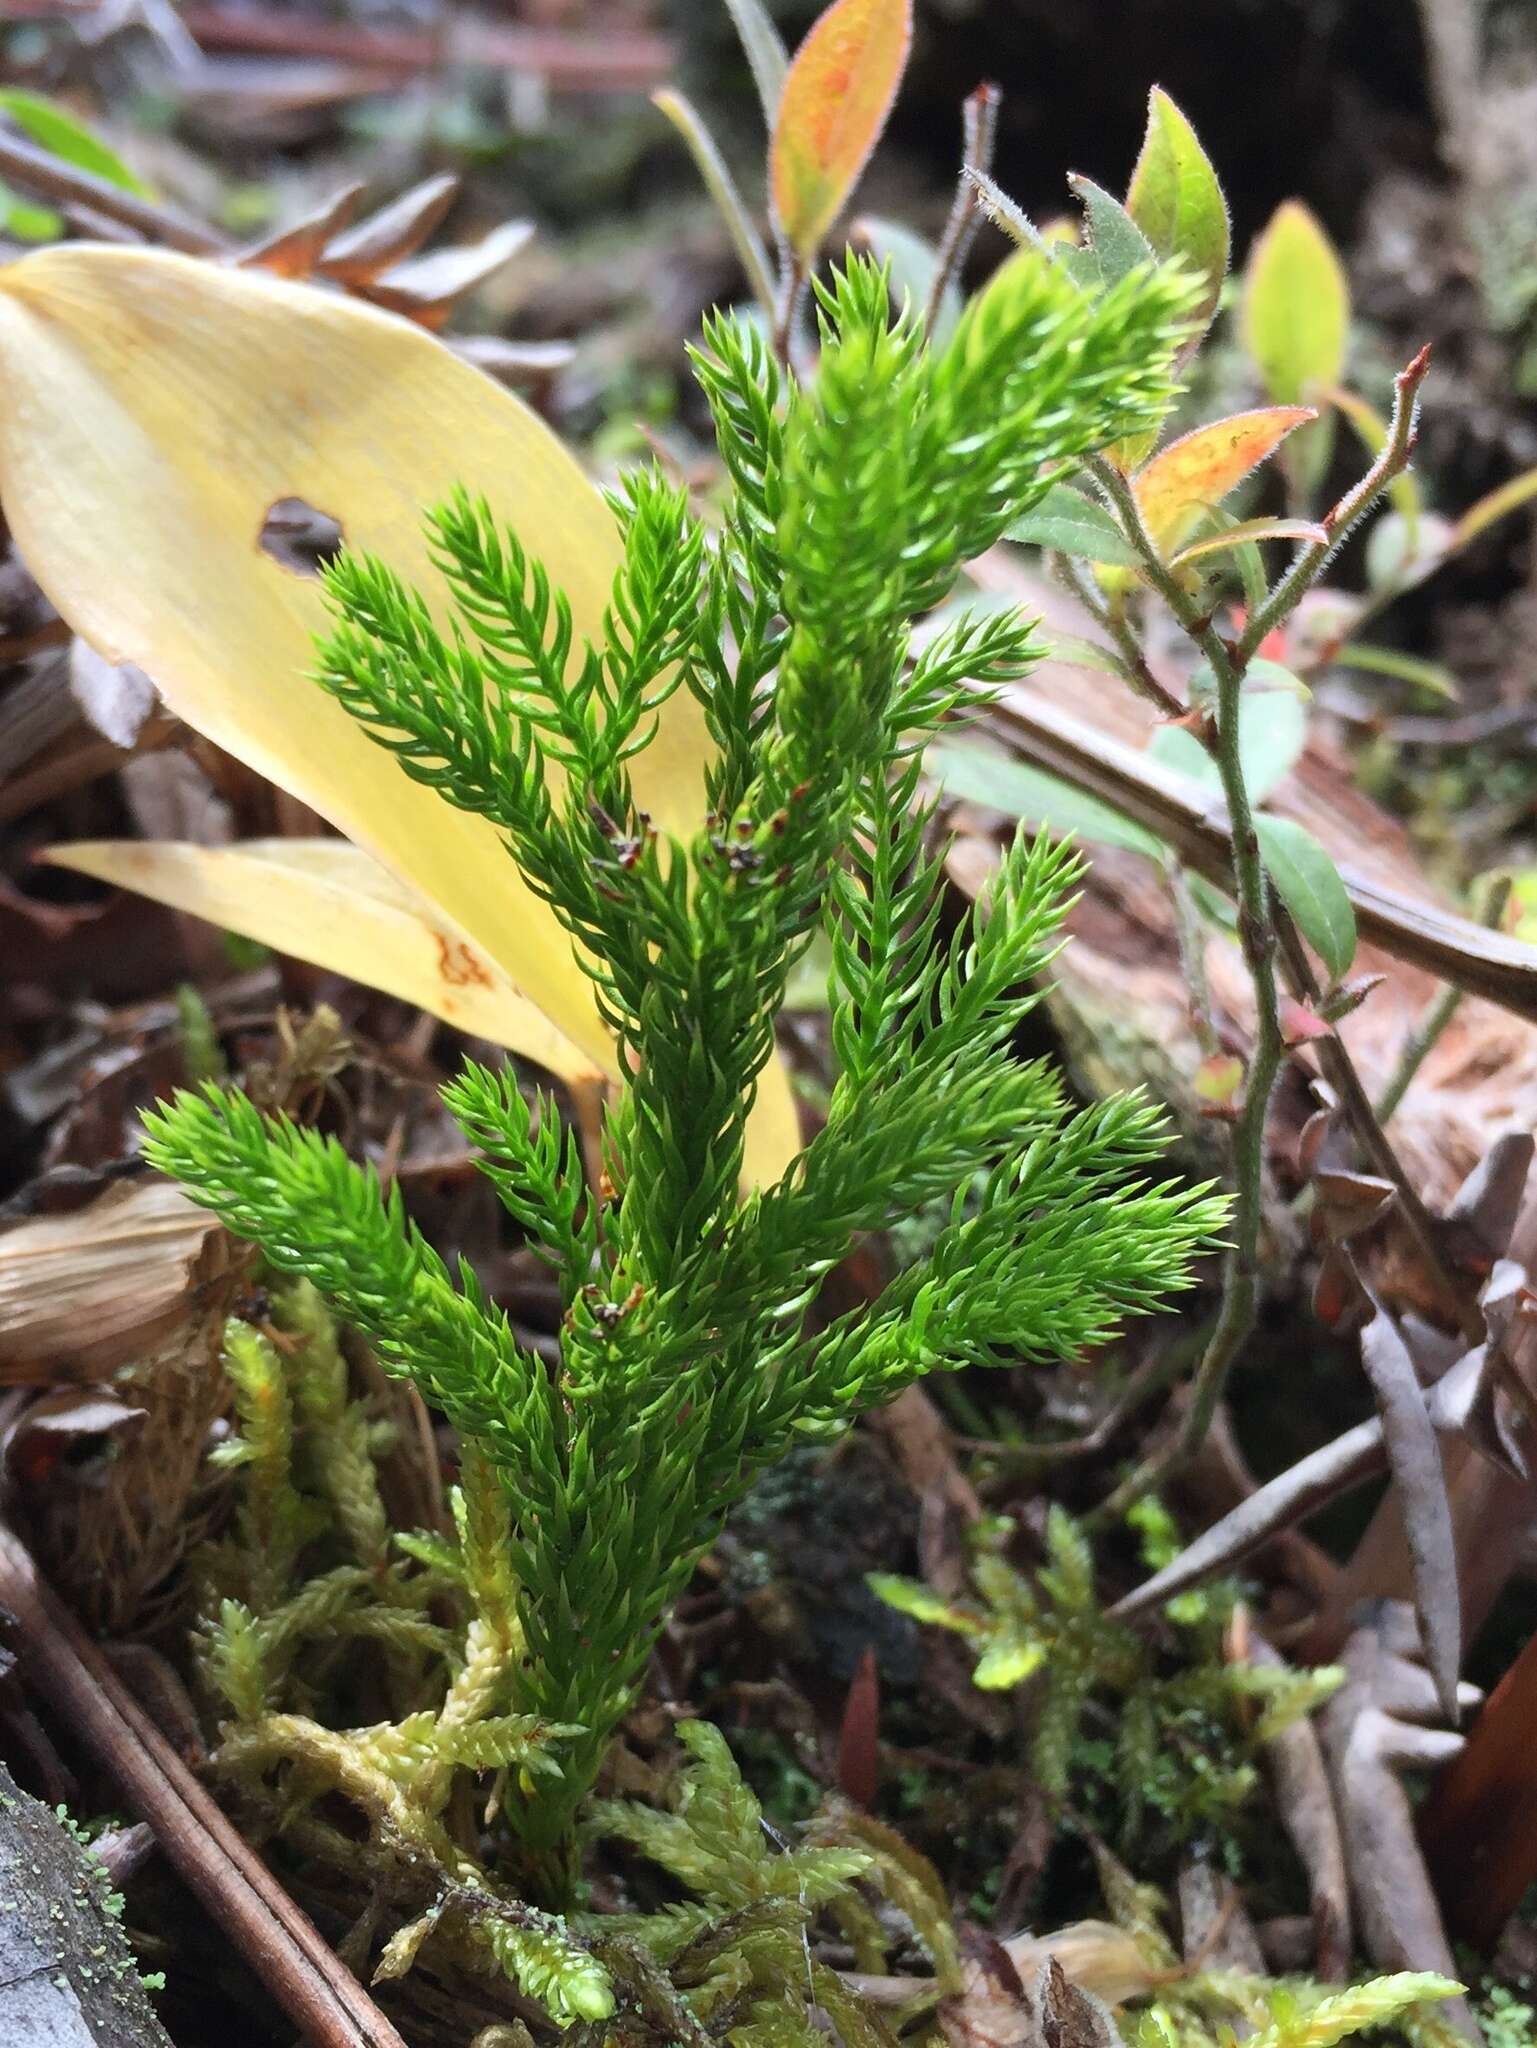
pixel 1037 799
pixel 1272 731
pixel 721 186
pixel 1175 199
pixel 27 221
pixel 767 57
pixel 1008 1661
pixel 65 137
pixel 1433 676
pixel 1296 306
pixel 1507 498
pixel 1308 883
pixel 1075 525
pixel 921 1602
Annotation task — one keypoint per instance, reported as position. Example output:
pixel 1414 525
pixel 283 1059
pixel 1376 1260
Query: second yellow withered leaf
pixel 332 904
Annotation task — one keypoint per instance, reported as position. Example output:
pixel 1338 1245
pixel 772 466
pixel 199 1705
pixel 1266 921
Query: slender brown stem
pixel 1258 924
pixel 286 1952
pixel 1256 931
pixel 51 178
pixel 1343 1076
pixel 1113 623
pixel 979 118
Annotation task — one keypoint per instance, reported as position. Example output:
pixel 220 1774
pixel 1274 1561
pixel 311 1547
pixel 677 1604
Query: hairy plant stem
pixel 793 275
pixel 1256 931
pixel 1113 622
pixel 1309 562
pixel 979 118
pixel 1258 925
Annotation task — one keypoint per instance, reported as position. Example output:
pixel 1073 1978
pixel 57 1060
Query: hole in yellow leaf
pixel 299 537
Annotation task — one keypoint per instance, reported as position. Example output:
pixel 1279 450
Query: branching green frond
pixel 745 388
pixel 976 654
pixel 533 1162
pixel 424 697
pixel 853 496
pixel 545 1963
pixel 714 1841
pixel 1374 2004
pixel 316 1214
pixel 1035 373
pixel 1061 1246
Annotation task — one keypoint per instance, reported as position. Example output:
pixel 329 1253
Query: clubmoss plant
pixel 853 500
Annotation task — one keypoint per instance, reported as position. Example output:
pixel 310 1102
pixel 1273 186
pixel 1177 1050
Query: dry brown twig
pixel 286 1952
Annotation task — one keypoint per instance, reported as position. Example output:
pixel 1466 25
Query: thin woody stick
pixel 317 1991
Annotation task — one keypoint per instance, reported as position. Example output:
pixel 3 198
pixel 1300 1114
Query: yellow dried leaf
pixel 836 98
pixel 153 409
pixel 330 903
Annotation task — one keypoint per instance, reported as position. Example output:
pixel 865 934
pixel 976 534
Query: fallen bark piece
pixel 68 1978
pixel 1414 1459
pixel 1003 2005
pixel 1216 1931
pixel 1479 1825
pixel 81 1295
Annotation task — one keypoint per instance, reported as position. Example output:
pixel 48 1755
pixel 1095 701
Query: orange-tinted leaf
pixel 835 101
pixel 1197 471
